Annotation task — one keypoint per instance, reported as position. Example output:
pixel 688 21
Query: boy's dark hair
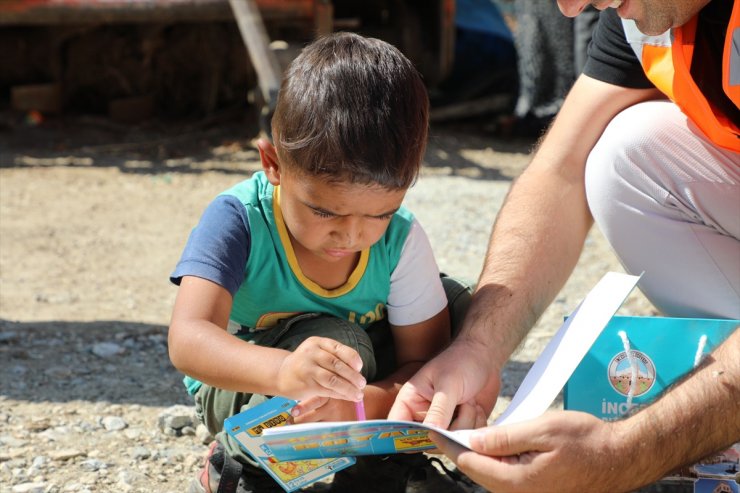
pixel 352 109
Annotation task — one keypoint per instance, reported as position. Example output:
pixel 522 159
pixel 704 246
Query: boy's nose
pixel 351 232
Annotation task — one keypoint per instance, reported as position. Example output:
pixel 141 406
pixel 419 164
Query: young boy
pixel 301 280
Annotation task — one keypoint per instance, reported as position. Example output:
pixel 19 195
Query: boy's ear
pixel 269 159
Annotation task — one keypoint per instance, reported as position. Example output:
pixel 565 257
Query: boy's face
pixel 335 220
pixel 332 220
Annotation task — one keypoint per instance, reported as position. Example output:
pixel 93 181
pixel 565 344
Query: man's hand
pixel 563 451
pixel 321 367
pixel 460 374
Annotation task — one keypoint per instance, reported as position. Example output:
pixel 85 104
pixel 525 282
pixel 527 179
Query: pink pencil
pixel 360 410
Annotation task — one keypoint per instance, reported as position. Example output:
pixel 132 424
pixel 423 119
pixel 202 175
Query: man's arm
pixel 539 233
pixel 570 451
pixel 535 244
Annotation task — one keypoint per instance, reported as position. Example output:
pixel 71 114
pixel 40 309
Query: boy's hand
pixel 321 367
pixel 323 409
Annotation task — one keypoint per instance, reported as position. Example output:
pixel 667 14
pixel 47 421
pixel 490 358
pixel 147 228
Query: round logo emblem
pixel 620 373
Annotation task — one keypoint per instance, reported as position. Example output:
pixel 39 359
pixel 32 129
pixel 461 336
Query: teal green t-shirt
pixel 274 286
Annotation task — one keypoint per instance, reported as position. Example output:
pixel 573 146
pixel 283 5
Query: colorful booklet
pixel 351 438
pixel 247 428
pixel 535 394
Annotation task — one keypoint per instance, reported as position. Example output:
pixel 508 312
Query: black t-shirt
pixel 611 59
pixel 706 66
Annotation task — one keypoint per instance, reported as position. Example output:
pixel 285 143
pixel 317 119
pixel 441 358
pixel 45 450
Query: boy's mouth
pixel 338 252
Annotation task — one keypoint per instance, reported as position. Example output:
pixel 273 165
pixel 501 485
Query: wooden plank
pixel 52 12
pixel 264 61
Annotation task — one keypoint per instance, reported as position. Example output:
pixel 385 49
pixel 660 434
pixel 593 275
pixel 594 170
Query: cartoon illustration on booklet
pixel 247 428
pixel 350 438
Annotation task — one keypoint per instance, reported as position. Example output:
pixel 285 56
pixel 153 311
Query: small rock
pixel 93 465
pixel 8 336
pixel 65 454
pixel 38 424
pixel 58 372
pixel 175 418
pixel 11 441
pixel 113 423
pixel 29 488
pixel 76 487
pixel 132 433
pixel 107 349
pixel 139 453
pixel 126 477
pixel 203 435
pixel 39 461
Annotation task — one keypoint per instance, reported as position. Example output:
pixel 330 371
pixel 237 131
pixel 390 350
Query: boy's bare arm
pixel 200 347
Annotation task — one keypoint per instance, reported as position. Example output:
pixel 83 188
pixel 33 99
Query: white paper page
pixel 567 348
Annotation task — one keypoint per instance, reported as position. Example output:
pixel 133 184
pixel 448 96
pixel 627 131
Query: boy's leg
pixel 214 405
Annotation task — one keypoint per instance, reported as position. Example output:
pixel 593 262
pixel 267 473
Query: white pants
pixel 668 201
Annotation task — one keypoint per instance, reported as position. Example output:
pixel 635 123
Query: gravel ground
pixel 93 218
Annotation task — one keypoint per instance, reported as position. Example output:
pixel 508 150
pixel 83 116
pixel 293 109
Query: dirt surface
pixel 93 217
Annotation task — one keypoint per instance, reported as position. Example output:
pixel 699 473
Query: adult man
pixel 662 180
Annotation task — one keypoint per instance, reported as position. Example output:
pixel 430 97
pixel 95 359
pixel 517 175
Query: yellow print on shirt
pixel 270 320
pixel 369 317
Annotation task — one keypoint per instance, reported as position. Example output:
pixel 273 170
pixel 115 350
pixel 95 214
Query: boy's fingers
pixel 308 405
pixel 338 387
pixel 334 374
pixel 345 353
pixel 342 360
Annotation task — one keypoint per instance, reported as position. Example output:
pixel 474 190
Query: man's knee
pixel 626 168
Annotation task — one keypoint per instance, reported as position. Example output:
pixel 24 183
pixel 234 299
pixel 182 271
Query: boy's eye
pixel 322 214
pixel 328 215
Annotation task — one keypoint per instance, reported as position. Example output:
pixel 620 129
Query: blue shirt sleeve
pixel 218 247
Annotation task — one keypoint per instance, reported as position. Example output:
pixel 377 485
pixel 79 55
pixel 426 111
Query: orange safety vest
pixel 666 60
